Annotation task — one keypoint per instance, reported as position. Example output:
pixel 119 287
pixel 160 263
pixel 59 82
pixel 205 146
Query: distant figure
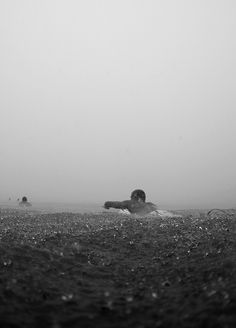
pixel 136 205
pixel 24 202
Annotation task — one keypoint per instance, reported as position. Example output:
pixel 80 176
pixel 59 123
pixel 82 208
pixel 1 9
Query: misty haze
pixel 100 98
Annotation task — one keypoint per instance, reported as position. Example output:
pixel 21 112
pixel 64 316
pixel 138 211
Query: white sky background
pixel 101 97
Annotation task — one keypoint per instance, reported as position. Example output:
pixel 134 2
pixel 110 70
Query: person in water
pixel 136 205
pixel 24 202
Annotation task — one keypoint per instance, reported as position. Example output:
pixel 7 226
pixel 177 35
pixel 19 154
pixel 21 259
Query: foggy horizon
pixel 99 98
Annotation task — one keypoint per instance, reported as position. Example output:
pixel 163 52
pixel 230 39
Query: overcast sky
pixel 101 97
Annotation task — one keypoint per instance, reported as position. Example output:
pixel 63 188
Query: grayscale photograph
pixel 118 163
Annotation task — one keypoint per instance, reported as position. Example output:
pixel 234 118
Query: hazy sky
pixel 101 97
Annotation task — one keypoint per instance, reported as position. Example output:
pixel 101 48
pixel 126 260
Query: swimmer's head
pixel 138 195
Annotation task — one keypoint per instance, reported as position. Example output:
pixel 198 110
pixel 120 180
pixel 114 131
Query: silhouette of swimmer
pixel 24 202
pixel 136 205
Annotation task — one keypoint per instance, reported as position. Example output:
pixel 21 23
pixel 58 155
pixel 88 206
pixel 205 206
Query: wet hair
pixel 138 195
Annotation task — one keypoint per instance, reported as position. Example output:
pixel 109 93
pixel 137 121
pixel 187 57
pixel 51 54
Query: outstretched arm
pixel 116 204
